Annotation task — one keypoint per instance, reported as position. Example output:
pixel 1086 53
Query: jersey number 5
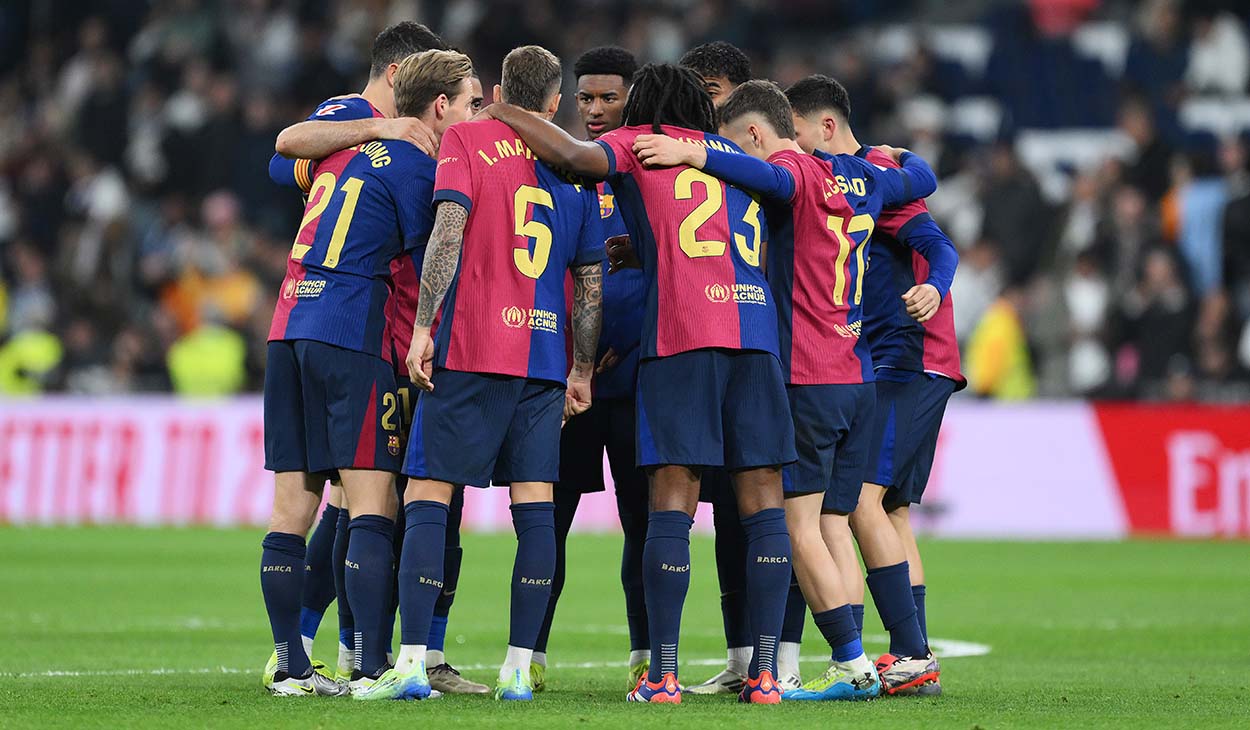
pixel 843 229
pixel 531 264
pixel 322 189
pixel 687 232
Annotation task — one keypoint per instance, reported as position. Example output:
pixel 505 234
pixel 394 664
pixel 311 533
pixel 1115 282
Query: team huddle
pixel 475 297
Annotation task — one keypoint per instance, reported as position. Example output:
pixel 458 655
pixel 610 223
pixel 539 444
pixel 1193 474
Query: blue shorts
pixel 832 434
pixel 326 408
pixel 908 418
pixel 406 397
pixel 714 408
pixel 475 428
pixel 608 426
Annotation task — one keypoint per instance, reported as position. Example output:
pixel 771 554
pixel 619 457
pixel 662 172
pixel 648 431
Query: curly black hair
pixel 668 94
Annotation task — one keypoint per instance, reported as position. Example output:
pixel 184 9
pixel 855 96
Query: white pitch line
pixel 946 649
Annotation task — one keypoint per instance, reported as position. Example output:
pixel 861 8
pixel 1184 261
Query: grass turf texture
pixel 1082 635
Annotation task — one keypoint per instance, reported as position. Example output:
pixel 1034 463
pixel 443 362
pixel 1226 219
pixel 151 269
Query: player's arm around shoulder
pixel 552 144
pixel 914 180
pixel 442 256
pixel 346 121
pixel 661 150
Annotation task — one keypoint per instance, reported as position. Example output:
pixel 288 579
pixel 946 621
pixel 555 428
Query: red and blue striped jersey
pixel 898 263
pixel 401 308
pixel 527 224
pixel 367 206
pixel 699 241
pixel 821 214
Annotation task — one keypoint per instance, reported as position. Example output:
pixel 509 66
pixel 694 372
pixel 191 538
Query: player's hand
pixel 487 112
pixel 577 395
pixel 922 302
pixel 608 361
pixel 621 254
pixel 420 360
pixel 896 153
pixel 660 150
pixel 409 129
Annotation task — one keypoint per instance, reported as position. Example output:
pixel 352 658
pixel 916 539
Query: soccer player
pixel 317 135
pixel 723 66
pixel 329 389
pixel 910 329
pixel 495 379
pixel 603 78
pixel 710 389
pixel 369 115
pixel 821 214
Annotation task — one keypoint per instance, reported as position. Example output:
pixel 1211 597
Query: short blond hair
pixel 423 77
pixel 531 76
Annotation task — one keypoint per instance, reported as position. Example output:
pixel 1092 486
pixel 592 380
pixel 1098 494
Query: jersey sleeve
pixel 620 150
pixel 342 109
pixel 413 195
pixel 914 180
pixel 923 235
pixel 758 176
pixel 454 179
pixel 291 173
pixel 591 245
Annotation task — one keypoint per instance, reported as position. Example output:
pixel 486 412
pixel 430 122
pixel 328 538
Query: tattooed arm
pixel 442 256
pixel 587 320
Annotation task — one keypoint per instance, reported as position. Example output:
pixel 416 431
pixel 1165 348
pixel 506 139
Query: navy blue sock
pixel 917 593
pixel 535 526
pixel 370 570
pixel 891 591
pixel 768 583
pixel 857 610
pixel 421 569
pixel 453 555
pixel 438 631
pixel 796 614
pixel 397 551
pixel 633 514
pixel 281 582
pixel 319 572
pixel 837 625
pixel 731 558
pixel 347 625
pixel 666 579
pixel 566 501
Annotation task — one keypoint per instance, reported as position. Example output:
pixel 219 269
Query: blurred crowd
pixel 1092 156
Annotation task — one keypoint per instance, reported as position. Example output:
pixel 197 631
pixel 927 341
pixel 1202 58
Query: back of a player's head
pixel 607 61
pixel 718 59
pixel 423 77
pixel 763 99
pixel 399 41
pixel 668 94
pixel 817 94
pixel 531 78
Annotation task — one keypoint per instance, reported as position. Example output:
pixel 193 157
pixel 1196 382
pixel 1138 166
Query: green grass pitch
pixel 132 627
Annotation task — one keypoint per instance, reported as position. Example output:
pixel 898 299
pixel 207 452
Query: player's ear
pixel 440 106
pixel 553 106
pixel 828 126
pixel 498 94
pixel 390 74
